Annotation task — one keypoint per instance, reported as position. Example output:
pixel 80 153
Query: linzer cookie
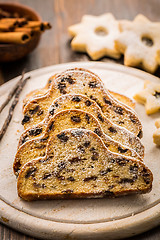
pixel 65 120
pixel 93 172
pixel 95 35
pixel 78 81
pixel 139 42
pixel 150 97
pixel 81 102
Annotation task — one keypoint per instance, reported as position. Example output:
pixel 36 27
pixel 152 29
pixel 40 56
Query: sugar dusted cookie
pixel 157 123
pixel 95 35
pixel 156 137
pixel 156 134
pixel 150 97
pixel 139 41
pixel 158 56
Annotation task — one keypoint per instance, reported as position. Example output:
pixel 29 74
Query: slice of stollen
pixel 67 119
pixel 39 92
pixel 86 83
pixel 65 172
pixel 81 102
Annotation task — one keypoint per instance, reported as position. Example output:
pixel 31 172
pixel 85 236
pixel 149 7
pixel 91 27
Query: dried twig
pixel 12 107
pixel 12 92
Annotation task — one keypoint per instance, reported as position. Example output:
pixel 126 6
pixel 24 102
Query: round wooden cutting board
pixel 88 218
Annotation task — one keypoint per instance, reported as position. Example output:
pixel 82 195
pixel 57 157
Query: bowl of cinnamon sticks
pixel 20 31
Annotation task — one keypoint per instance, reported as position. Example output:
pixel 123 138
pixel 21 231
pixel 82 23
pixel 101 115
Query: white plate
pixel 80 219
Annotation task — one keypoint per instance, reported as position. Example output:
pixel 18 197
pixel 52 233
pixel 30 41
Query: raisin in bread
pixel 80 82
pixel 64 120
pixel 65 172
pixel 81 102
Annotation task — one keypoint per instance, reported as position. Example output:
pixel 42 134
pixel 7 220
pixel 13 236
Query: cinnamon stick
pixel 12 107
pixel 33 24
pixel 47 25
pixel 25 30
pixel 37 24
pixel 12 21
pixel 21 21
pixel 14 37
pixel 6 27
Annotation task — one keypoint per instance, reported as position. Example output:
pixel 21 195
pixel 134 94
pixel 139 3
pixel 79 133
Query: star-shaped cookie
pixel 139 41
pixel 150 97
pixel 95 35
pixel 157 123
pixel 156 134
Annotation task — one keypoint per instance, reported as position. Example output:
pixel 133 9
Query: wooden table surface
pixel 54 48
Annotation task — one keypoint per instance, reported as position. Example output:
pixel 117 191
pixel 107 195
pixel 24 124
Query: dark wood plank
pixel 7 233
pixel 54 48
